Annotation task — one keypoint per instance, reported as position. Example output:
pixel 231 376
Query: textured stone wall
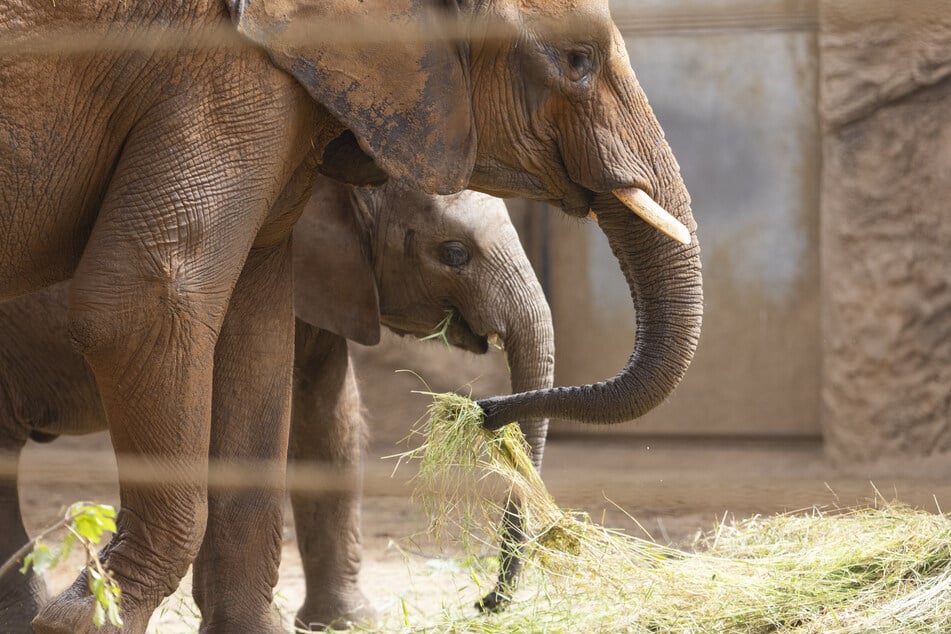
pixel 885 104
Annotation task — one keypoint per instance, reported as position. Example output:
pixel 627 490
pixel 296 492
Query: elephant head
pixel 410 261
pixel 530 98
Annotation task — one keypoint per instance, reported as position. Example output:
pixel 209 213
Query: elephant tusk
pixel 593 216
pixel 493 339
pixel 653 214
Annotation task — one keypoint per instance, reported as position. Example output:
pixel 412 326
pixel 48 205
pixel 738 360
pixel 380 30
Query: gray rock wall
pixel 886 227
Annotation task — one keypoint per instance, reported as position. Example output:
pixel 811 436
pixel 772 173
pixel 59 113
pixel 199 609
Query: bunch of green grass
pixel 883 569
pixel 467 475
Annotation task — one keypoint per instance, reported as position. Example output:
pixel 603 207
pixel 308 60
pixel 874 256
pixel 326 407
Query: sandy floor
pixel 672 487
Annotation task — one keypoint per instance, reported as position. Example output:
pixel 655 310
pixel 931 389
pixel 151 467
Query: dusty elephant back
pixel 87 84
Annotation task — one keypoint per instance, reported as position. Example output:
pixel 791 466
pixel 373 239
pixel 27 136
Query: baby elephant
pixel 390 256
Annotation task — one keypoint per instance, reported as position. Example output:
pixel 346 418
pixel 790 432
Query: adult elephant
pixel 421 256
pixel 166 183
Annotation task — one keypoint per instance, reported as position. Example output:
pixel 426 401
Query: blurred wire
pixel 106 37
pixel 99 467
pixel 717 20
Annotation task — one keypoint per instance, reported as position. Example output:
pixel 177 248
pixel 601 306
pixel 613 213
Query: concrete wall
pixel 886 231
pixel 734 86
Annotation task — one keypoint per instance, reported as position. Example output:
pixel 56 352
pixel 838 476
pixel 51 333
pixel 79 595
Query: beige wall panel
pixel 738 105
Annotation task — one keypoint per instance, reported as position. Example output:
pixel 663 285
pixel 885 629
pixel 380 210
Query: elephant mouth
pixel 575 201
pixel 637 201
pixel 456 332
pixel 461 335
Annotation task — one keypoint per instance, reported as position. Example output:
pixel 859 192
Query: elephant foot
pixel 270 624
pixel 21 597
pixel 342 614
pixel 72 613
pixel 493 602
pixel 74 616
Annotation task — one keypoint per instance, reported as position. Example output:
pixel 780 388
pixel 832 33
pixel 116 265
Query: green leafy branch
pixel 85 524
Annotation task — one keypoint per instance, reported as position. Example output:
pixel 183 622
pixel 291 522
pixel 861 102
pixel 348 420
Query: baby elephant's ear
pixel 334 286
pixel 386 70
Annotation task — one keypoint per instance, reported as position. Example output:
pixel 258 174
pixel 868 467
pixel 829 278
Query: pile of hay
pixel 885 569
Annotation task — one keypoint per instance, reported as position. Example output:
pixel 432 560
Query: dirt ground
pixel 673 487
pixel 669 488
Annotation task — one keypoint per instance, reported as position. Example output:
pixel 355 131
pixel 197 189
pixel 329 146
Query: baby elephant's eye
pixel 453 254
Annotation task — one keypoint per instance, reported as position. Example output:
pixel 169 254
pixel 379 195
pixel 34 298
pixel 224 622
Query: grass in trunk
pixel 882 569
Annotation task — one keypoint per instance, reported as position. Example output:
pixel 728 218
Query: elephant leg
pixel 237 566
pixel 146 306
pixel 328 429
pixel 155 383
pixel 511 556
pixel 21 596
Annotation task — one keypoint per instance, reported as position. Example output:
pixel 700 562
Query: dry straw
pixel 880 569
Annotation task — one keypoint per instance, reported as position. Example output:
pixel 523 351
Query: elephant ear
pixel 334 286
pixel 384 71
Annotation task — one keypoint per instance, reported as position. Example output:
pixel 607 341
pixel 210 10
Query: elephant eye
pixel 453 254
pixel 580 64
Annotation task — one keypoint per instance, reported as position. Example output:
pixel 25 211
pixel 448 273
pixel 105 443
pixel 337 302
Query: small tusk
pixel 593 216
pixel 653 214
pixel 493 338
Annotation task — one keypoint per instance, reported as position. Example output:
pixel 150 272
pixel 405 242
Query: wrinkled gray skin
pixel 423 254
pixel 166 185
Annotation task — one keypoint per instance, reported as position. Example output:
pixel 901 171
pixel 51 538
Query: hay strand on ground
pixel 879 569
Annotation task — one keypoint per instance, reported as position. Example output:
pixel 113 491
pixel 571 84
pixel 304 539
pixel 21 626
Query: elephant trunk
pixel 665 282
pixel 523 320
pixel 526 328
pixel 530 347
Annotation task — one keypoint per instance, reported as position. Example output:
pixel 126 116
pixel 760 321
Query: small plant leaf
pixel 85 524
pixel 113 609
pixel 68 543
pixel 99 616
pixel 41 559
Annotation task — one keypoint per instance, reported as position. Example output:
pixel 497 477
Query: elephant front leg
pixel 511 556
pixel 237 567
pixel 327 431
pixel 147 303
pixel 151 345
pixel 21 596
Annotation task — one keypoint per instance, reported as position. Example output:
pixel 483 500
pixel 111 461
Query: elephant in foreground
pixel 162 165
pixel 422 256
